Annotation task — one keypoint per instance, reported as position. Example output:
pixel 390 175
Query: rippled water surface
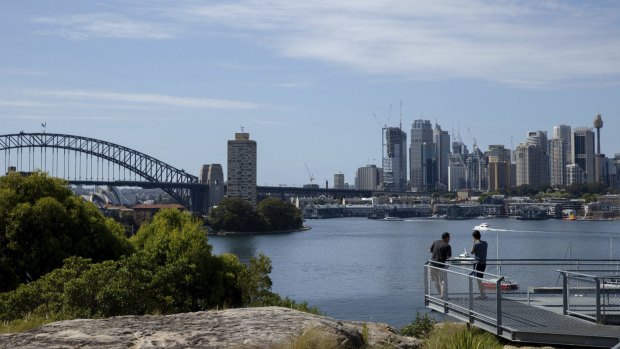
pixel 368 270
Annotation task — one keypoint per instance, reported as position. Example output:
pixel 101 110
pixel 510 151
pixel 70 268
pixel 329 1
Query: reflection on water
pixel 367 270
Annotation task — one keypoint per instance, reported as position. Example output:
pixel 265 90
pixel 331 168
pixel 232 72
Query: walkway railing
pixel 457 289
pixel 592 295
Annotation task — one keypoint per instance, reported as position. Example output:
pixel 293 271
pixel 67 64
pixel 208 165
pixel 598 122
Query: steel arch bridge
pixel 177 183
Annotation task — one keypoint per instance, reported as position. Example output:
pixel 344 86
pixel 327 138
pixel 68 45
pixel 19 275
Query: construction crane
pixel 309 173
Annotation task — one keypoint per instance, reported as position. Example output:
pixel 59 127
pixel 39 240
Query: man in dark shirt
pixel 441 251
pixel 480 251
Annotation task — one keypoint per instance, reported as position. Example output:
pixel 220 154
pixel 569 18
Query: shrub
pixel 420 328
pixel 458 336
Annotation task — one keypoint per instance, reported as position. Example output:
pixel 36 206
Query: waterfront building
pixel 583 152
pixel 394 159
pixel 368 178
pixel 242 168
pixel 441 139
pixel 339 181
pixel 421 137
pixel 212 175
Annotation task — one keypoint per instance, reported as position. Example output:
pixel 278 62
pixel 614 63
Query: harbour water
pixel 372 270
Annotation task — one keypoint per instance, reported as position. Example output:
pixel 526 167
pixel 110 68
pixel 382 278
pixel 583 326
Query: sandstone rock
pixel 232 328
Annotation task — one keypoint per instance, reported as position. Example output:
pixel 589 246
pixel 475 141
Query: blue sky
pixel 177 79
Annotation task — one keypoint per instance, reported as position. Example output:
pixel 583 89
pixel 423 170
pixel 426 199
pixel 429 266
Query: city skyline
pixel 313 83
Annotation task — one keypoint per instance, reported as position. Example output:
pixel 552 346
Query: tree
pixel 42 223
pixel 235 214
pixel 279 215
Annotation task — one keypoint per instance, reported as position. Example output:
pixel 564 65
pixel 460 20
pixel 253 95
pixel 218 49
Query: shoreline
pixel 225 233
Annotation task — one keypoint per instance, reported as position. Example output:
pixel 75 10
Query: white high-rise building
pixel 242 167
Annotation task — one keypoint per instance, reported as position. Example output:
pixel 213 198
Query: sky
pixel 312 82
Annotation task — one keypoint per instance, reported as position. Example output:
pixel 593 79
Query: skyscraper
pixel 242 167
pixel 528 158
pixel 394 159
pixel 583 152
pixel 441 139
pixel 339 180
pixel 213 175
pixel 421 137
pixel 499 168
pixel 560 154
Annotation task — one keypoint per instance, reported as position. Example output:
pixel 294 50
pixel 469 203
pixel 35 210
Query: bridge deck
pixel 529 324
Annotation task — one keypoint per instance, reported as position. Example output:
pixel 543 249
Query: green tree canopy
pixel 235 214
pixel 42 223
pixel 279 215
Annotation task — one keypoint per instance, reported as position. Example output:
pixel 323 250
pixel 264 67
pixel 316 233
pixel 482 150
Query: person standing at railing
pixel 441 251
pixel 480 251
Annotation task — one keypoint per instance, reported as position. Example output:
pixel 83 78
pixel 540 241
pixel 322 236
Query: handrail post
pixel 498 292
pixel 564 293
pixel 599 319
pixel 426 288
pixel 471 299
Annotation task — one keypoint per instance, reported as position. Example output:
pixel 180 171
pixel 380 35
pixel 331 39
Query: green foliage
pixel 172 270
pixel 235 214
pixel 238 215
pixel 420 328
pixel 458 336
pixel 42 223
pixel 279 215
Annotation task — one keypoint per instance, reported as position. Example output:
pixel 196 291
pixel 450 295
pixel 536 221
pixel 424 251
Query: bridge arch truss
pixel 77 154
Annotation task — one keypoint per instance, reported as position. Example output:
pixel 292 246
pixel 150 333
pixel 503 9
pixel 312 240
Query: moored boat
pixel 505 285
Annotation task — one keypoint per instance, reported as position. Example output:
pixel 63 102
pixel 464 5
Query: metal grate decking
pixel 529 324
pixel 512 317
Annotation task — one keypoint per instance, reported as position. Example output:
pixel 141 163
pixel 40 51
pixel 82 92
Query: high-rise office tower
pixel 457 167
pixel 477 170
pixel 559 154
pixel 339 180
pixel 565 133
pixel 528 159
pixel 442 152
pixel 539 139
pixel 242 167
pixel 394 159
pixel 499 168
pixel 368 178
pixel 421 137
pixel 583 151
pixel 213 175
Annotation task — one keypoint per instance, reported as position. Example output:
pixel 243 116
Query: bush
pixel 420 328
pixel 458 336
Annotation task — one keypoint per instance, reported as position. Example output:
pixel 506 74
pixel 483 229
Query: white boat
pixel 463 258
pixel 482 226
pixel 390 218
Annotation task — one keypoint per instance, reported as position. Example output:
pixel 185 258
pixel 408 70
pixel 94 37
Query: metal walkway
pixel 507 314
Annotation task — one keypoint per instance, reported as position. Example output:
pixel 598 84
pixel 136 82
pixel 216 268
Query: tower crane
pixel 309 173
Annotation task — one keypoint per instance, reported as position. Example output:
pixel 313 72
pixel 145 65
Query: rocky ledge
pixel 267 327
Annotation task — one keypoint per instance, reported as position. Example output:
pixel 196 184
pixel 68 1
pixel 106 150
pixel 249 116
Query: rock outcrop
pixel 269 327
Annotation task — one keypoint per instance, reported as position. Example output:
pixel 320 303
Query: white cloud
pixel 22 103
pixel 526 43
pixel 150 99
pixel 104 25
